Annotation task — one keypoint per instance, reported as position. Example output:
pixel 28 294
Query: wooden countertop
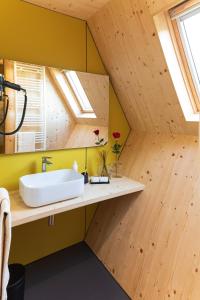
pixel 22 214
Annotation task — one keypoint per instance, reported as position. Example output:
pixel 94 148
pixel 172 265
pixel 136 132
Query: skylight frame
pixel 79 92
pixel 176 60
pixel 67 92
pixel 187 80
pixel 195 73
pixel 71 97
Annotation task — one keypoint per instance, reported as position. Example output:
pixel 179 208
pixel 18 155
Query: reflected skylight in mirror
pixel 79 91
pixel 68 94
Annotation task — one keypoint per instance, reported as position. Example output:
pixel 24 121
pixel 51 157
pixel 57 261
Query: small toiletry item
pixel 99 180
pixel 85 174
pixel 75 166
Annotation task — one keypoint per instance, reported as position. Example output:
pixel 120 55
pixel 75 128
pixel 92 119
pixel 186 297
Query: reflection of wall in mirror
pixel 51 123
pixel 64 128
pixel 11 118
pixel 59 120
pixel 96 89
pixel 83 135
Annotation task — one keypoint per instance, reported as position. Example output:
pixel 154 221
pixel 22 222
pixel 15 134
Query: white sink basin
pixel 50 187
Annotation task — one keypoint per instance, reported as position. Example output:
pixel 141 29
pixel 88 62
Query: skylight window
pixel 71 97
pixel 79 91
pixel 178 31
pixel 67 92
pixel 189 26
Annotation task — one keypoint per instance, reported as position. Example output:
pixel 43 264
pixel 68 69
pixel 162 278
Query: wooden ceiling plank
pixel 82 9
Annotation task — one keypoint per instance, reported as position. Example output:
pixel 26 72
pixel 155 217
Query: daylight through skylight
pixel 189 25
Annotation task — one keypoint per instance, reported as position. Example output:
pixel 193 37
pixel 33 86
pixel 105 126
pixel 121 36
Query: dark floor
pixel 71 274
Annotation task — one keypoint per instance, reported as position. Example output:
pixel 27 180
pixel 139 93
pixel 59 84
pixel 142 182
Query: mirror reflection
pixel 63 110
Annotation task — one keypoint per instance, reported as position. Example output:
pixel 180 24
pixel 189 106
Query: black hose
pixel 6 112
pixel 21 122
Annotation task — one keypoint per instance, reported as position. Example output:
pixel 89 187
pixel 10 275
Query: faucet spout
pixel 45 162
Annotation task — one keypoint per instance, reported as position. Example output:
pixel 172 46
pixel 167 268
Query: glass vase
pixel 104 168
pixel 116 167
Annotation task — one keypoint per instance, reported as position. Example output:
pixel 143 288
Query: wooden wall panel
pixel 150 240
pixel 126 37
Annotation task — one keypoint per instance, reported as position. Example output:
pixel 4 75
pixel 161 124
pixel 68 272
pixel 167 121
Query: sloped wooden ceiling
pixel 126 37
pixel 82 9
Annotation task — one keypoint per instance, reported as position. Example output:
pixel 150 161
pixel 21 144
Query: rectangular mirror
pixel 64 108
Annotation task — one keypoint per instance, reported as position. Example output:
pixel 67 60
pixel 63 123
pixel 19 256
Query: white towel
pixel 5 240
pixel 26 142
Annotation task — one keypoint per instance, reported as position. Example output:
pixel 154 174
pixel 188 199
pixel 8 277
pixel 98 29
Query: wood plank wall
pixel 150 240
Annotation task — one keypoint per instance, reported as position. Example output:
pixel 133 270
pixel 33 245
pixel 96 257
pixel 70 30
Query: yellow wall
pixel 43 37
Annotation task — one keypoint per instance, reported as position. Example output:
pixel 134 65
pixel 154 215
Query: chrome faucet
pixel 45 162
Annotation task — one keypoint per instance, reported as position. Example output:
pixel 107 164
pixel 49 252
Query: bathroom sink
pixel 50 187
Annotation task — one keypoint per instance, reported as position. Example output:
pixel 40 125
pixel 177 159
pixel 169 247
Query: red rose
pixel 96 132
pixel 116 135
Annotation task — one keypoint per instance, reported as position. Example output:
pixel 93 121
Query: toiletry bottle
pixel 75 166
pixel 86 176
